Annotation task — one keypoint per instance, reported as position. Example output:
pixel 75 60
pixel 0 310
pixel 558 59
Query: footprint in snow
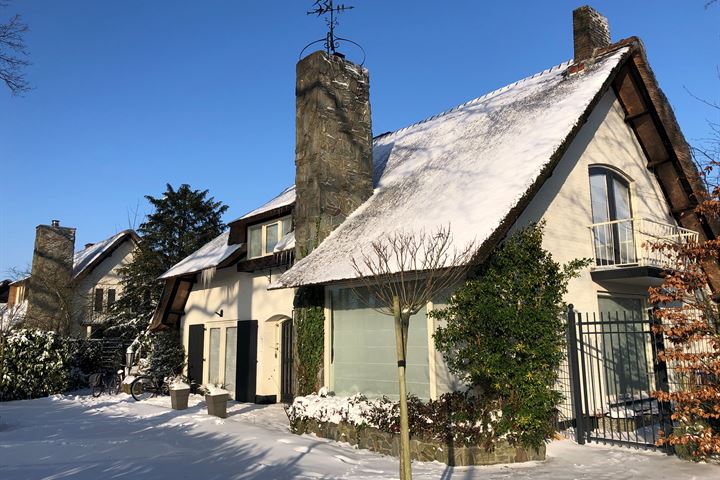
pixel 367 470
pixel 285 441
pixel 301 449
pixel 347 460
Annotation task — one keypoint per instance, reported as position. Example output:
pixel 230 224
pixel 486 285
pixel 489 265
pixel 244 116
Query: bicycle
pixel 146 386
pixel 108 381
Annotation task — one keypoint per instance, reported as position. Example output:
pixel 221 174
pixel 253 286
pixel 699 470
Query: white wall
pixel 242 296
pixel 564 200
pixel 564 203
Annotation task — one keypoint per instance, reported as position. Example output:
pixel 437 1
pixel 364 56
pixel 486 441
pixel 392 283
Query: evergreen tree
pixel 182 221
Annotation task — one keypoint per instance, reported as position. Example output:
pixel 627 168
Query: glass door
pixel 612 218
pixel 624 348
pixel 214 365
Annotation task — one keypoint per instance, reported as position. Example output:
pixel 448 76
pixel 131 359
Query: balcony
pixel 627 245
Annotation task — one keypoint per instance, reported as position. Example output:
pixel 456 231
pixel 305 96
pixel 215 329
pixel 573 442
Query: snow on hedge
pixel 356 410
pixel 465 418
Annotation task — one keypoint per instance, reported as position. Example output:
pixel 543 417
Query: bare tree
pixel 404 272
pixel 13 54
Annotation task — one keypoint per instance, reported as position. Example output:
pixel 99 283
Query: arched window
pixel 612 217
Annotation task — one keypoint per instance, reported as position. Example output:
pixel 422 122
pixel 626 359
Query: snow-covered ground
pixel 79 437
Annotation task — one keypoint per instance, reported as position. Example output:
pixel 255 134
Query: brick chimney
pixel 590 31
pixel 333 149
pixel 50 280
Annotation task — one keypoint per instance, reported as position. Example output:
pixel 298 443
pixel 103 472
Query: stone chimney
pixel 590 31
pixel 333 149
pixel 50 280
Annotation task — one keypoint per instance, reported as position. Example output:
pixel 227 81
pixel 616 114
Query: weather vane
pixel 331 42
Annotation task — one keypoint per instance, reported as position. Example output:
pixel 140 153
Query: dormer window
pixel 263 237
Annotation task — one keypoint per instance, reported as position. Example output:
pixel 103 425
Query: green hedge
pixel 36 363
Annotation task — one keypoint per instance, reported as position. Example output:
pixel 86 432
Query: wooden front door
pixel 196 344
pixel 246 367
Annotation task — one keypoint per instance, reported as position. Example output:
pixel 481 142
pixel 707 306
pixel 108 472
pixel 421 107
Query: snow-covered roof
pixel 208 256
pixel 286 197
pixel 87 256
pixel 217 250
pixel 467 167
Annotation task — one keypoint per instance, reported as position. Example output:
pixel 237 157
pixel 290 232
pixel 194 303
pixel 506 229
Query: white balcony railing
pixel 628 242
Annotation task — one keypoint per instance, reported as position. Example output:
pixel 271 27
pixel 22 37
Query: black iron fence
pixel 611 372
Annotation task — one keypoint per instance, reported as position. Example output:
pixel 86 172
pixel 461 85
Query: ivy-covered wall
pixel 309 348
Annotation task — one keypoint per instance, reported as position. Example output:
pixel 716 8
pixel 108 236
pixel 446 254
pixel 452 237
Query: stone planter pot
pixel 217 404
pixel 179 398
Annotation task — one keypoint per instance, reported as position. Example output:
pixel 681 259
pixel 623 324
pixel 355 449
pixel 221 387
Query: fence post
pixel 574 367
pixel 662 382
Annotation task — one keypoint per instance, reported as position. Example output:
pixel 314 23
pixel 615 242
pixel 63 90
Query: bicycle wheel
pixel 114 384
pixel 96 383
pixel 142 388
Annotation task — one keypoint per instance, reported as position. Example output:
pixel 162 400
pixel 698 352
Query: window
pixel 624 347
pixel 263 238
pixel 111 298
pixel 99 300
pixel 230 358
pixel 612 217
pixel 214 366
pixel 363 355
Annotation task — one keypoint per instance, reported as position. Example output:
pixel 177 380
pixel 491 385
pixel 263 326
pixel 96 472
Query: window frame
pixel 281 223
pixel 610 175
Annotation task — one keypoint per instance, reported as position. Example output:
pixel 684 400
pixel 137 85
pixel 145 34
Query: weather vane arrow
pixel 331 42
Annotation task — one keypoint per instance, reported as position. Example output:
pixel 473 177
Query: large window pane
pixel 364 358
pixel 271 237
pixel 599 198
pixel 624 348
pixel 255 241
pixel 230 358
pixel 214 367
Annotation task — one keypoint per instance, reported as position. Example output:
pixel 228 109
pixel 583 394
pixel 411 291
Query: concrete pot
pixel 217 404
pixel 179 398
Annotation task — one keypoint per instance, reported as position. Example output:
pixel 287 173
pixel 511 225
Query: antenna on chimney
pixel 331 42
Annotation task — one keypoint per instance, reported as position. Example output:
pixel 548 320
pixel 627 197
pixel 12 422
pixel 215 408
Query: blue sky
pixel 130 95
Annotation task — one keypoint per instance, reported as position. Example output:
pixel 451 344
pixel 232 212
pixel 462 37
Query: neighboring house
pixel 4 290
pixel 12 307
pixel 96 277
pixel 92 273
pixel 590 146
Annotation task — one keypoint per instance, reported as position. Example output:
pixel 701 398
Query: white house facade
pixel 590 147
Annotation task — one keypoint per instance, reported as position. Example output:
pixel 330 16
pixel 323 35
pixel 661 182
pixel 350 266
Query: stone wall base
pixel 422 450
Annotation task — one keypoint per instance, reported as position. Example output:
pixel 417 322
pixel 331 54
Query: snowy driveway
pixel 78 437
